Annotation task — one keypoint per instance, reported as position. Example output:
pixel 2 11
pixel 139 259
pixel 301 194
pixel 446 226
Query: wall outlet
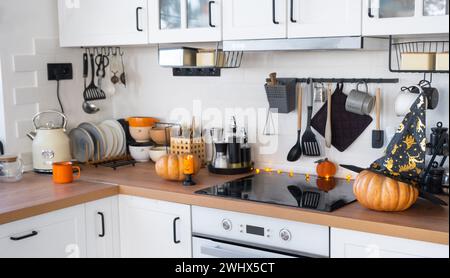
pixel 59 71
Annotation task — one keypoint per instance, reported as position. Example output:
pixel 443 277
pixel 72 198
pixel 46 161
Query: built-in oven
pixel 226 234
pixel 213 248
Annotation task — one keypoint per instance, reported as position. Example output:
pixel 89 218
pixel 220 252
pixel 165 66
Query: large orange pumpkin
pixel 170 167
pixel 380 193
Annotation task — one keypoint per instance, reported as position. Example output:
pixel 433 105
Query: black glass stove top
pixel 314 193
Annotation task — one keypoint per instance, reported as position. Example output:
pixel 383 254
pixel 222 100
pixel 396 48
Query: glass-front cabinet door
pixel 174 21
pixel 404 17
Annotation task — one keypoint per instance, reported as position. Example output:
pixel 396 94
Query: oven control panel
pixel 272 232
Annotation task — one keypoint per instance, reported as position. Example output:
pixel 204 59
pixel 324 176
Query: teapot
pixel 50 143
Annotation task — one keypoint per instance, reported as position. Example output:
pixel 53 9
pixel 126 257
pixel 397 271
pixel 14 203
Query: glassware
pixel 220 160
pixel 11 169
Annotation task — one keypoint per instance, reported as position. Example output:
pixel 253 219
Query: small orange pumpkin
pixel 380 193
pixel 170 167
pixel 326 185
pixel 325 168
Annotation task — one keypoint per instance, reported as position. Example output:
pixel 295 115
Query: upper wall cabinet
pixel 324 18
pixel 254 19
pixel 405 17
pixel 172 21
pixel 102 22
pixel 279 19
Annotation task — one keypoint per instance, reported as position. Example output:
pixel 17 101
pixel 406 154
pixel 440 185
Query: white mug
pixel 404 102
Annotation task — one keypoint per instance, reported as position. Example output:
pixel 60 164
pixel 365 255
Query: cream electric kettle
pixel 50 144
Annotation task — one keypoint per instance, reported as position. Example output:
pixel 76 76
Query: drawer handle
pixel 175 240
pixel 102 216
pixel 292 12
pixel 370 9
pixel 274 12
pixel 137 19
pixel 32 234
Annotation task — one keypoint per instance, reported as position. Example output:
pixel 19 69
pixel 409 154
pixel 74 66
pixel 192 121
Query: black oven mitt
pixel 346 126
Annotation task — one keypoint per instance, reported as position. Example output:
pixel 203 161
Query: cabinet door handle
pixel 175 240
pixel 292 12
pixel 274 12
pixel 210 14
pixel 138 9
pixel 102 216
pixel 370 9
pixel 32 234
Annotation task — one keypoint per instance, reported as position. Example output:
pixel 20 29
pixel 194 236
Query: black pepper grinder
pixel 234 147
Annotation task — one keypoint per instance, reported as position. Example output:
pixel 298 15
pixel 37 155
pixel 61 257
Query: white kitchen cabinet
pixel 154 229
pixel 172 21
pixel 405 17
pixel 59 234
pixel 254 19
pixel 324 18
pixel 352 244
pixel 102 22
pixel 102 228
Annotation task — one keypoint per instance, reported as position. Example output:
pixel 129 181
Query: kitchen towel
pixel 346 126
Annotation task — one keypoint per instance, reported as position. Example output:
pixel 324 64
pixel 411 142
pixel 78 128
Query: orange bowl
pixel 142 121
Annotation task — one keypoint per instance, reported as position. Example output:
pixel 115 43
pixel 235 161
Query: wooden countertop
pixel 37 194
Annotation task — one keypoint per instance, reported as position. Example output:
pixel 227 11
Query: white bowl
pixel 157 152
pixel 140 153
pixel 140 134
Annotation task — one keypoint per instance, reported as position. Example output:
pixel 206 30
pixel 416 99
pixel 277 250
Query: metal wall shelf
pixel 397 49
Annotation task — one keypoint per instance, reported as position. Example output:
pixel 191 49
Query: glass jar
pixel 11 168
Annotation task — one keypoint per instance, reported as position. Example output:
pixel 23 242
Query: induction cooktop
pixel 281 189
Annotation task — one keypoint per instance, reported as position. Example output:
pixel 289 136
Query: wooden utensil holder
pixel 179 145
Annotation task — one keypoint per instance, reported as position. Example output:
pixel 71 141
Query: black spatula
pixel 310 145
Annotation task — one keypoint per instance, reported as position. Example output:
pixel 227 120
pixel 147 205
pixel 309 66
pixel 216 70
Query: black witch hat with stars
pixel 404 158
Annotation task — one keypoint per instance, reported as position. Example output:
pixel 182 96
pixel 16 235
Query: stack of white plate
pixel 94 142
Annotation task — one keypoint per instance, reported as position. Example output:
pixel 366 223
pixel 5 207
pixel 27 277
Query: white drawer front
pixel 59 234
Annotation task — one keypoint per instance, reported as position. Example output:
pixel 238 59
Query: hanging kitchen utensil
pixel 115 67
pixel 328 129
pixel 310 145
pixel 123 77
pixel 378 134
pixel 269 127
pixel 88 108
pixel 296 151
pixel 346 126
pixel 320 95
pixel 85 68
pixel 92 92
pixel 102 62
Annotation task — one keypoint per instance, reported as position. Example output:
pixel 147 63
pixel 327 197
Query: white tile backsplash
pixel 155 92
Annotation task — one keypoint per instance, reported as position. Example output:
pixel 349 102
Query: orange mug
pixel 63 172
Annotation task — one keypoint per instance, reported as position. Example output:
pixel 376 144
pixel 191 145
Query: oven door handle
pixel 218 252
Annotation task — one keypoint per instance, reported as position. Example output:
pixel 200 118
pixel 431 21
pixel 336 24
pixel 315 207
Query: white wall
pixel 28 41
pixel 154 91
